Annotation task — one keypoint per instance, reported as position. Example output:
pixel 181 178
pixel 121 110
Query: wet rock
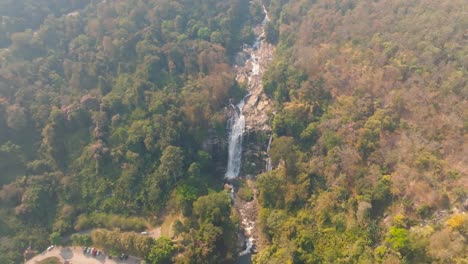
pixel 258 107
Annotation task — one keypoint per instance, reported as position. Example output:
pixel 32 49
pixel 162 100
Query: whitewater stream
pixel 236 125
pixel 249 71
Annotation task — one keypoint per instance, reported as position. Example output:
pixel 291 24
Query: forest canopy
pixel 105 111
pixel 113 115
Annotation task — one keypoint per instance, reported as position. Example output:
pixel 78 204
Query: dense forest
pixel 113 117
pixel 370 136
pixel 106 109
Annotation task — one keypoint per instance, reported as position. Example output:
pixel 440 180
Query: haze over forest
pixel 117 116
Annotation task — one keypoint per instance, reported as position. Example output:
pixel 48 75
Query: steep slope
pixel 105 115
pixel 370 133
pixel 113 117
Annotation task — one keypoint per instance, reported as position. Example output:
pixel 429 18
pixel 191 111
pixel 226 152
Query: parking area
pixel 77 255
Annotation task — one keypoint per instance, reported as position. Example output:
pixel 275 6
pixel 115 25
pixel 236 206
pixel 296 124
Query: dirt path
pixel 75 256
pixel 155 233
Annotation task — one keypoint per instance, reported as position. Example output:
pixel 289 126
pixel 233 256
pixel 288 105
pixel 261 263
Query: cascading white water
pixel 236 126
pixel 269 166
pixel 252 70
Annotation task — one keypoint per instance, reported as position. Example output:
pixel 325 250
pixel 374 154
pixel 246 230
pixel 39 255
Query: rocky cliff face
pixel 258 107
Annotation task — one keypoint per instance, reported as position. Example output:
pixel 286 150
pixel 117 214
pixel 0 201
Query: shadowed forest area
pixel 113 116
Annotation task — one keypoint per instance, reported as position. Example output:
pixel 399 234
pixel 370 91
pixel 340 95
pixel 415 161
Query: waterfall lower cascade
pixel 249 71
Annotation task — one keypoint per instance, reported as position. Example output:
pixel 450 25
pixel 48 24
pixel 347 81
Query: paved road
pixel 76 256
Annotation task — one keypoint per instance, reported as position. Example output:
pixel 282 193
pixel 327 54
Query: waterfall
pixel 251 70
pixel 269 167
pixel 236 125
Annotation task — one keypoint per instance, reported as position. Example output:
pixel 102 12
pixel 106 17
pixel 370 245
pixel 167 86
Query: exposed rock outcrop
pixel 258 107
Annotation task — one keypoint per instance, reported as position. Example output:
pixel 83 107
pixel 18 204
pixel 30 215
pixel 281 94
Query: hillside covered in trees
pixel 370 144
pixel 113 116
pixel 107 107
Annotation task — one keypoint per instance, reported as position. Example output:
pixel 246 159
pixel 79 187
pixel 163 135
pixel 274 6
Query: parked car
pixel 85 249
pixel 50 248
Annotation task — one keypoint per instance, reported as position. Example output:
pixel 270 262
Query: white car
pixel 144 233
pixel 50 248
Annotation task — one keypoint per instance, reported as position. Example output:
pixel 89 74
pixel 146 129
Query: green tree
pixel 398 239
pixel 81 240
pixel 283 149
pixel 271 189
pixel 161 252
pixel 272 34
pixel 214 207
pixel 55 238
pixel 172 164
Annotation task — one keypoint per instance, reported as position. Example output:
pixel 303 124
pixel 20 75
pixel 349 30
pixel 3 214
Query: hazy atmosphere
pixel 233 131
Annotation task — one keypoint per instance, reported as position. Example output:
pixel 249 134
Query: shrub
pixel 161 252
pixel 129 242
pixel 398 238
pixel 81 240
pixel 245 193
pixel 110 221
pixel 458 222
